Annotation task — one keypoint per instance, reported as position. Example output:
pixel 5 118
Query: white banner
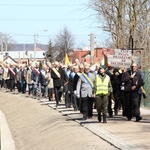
pixel 122 58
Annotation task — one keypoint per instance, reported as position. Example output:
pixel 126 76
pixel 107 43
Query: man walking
pixel 137 82
pixel 102 89
pixel 85 91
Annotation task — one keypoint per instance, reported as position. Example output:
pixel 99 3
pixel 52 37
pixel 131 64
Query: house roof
pixel 15 54
pixel 80 54
pixel 9 60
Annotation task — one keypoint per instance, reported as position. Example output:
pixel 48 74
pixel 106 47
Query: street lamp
pixel 35 41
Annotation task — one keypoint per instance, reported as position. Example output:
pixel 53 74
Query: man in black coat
pixel 65 82
pixel 127 101
pixel 137 82
pixel 56 73
pixel 12 72
pixel 116 84
pixel 132 83
pixel 74 80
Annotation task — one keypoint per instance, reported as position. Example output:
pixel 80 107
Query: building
pixel 100 54
pixel 23 56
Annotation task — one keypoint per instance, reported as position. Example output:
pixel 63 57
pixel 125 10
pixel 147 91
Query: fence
pixel 146 101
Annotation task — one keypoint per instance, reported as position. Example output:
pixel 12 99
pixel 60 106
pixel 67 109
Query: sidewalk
pixel 123 134
pixel 7 142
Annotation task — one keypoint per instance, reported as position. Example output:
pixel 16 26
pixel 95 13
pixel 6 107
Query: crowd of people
pixel 83 86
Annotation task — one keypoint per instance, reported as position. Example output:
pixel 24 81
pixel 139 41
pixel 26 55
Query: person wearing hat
pixel 102 89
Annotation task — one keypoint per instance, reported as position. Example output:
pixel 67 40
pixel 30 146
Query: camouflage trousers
pixel 101 103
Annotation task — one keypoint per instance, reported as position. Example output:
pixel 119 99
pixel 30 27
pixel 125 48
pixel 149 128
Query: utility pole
pixel 23 51
pixel 2 47
pixel 34 46
pixel 92 47
pixel 6 47
pixel 35 42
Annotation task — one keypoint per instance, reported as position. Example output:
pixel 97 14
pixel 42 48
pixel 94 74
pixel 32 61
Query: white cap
pixel 92 68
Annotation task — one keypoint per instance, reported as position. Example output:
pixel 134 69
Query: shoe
pixel 104 118
pixel 89 117
pixel 84 117
pixel 99 117
pixel 110 116
pixel 124 118
pixel 129 119
pixel 75 109
pixel 138 118
pixel 116 113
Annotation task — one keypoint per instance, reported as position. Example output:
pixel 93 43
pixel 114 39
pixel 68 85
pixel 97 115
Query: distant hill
pixel 28 47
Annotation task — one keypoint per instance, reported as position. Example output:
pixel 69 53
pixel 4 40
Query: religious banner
pixel 122 58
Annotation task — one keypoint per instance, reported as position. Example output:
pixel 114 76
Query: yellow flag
pixel 66 60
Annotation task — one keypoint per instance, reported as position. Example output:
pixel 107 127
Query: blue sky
pixel 23 19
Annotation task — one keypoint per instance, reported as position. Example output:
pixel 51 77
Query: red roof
pixel 82 55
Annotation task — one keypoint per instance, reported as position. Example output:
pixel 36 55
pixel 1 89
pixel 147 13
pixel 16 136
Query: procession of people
pixel 82 86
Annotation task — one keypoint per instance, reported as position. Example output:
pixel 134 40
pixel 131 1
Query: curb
pixel 7 142
pixel 114 140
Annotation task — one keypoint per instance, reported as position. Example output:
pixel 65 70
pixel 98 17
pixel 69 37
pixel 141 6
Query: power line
pixel 40 19
pixel 15 34
pixel 21 34
pixel 33 5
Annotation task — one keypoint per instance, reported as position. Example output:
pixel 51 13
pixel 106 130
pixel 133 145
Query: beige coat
pixel 49 80
pixel 28 77
pixel 5 74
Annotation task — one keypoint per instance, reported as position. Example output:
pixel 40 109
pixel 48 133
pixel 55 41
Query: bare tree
pixel 50 52
pixel 64 42
pixel 110 14
pixel 128 22
pixel 122 19
pixel 6 41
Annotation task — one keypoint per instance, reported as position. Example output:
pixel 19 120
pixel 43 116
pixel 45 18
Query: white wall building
pixel 22 54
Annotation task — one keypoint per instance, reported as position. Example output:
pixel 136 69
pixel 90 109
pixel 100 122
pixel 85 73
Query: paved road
pixel 36 126
pixel 123 134
pixel 67 129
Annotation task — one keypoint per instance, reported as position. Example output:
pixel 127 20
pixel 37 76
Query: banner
pixel 67 59
pixel 11 71
pixel 122 58
pixel 36 70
